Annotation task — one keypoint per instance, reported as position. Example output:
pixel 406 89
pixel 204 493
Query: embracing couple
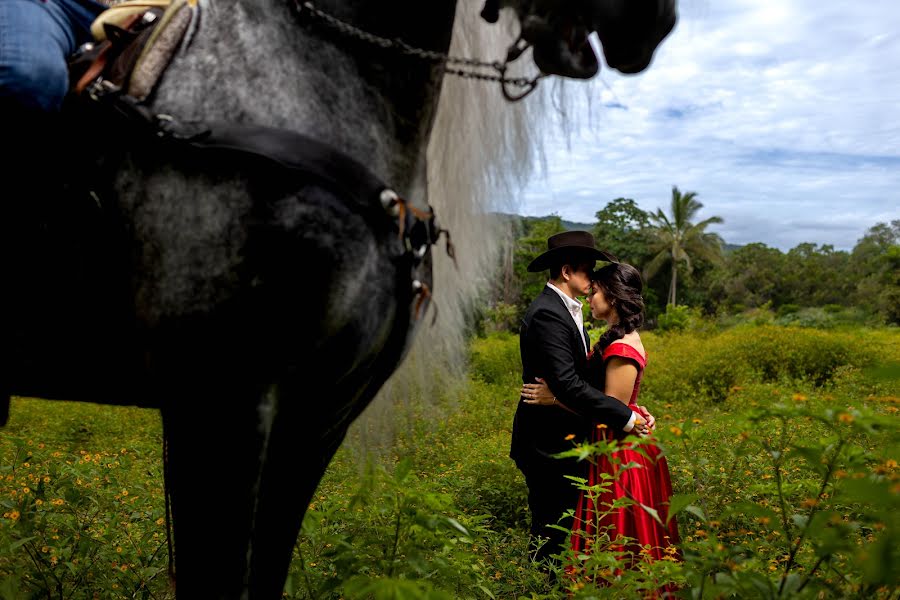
pixel 574 393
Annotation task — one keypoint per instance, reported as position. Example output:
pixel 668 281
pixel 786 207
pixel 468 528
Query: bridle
pixel 513 88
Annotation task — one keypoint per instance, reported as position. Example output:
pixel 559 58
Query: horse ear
pixel 491 11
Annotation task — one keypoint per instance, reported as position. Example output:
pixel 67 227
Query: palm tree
pixel 677 239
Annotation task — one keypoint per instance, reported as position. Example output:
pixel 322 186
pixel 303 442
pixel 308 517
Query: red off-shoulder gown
pixel 650 485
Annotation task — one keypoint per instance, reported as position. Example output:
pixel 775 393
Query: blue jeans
pixel 36 37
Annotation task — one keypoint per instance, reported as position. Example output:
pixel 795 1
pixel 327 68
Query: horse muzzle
pixel 561 46
pixel 631 30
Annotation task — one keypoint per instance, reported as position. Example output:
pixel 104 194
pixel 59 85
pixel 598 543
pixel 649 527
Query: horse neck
pixel 253 62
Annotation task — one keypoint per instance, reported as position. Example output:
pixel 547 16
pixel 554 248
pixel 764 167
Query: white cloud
pixel 783 116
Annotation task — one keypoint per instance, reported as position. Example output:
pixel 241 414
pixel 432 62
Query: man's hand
pixel 651 420
pixel 538 393
pixel 640 426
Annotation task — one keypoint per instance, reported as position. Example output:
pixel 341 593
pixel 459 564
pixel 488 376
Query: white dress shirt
pixel 574 307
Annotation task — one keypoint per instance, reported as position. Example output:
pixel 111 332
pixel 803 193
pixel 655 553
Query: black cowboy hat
pixel 562 247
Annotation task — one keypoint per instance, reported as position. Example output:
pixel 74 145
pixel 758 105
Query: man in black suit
pixel 554 346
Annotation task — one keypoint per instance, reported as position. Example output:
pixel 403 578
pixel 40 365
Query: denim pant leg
pixel 36 37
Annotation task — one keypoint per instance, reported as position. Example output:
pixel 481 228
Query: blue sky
pixel 784 117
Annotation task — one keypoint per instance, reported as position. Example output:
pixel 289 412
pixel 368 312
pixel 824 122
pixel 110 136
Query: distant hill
pixel 570 225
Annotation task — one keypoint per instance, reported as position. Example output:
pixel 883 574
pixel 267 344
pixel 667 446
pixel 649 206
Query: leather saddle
pixel 134 42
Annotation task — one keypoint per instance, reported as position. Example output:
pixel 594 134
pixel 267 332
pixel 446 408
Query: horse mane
pixel 482 151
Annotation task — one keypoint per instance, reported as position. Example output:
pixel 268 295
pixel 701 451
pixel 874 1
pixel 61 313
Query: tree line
pixel 684 264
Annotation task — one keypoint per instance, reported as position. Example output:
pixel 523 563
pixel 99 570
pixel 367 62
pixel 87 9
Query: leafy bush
pixel 787 309
pixel 495 359
pixel 676 318
pixel 402 544
pixel 82 523
pixel 709 367
pixel 500 317
pixel 795 504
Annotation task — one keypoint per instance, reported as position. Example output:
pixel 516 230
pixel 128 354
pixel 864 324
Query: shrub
pixel 500 317
pixel 708 367
pixel 786 309
pixel 82 521
pixel 495 359
pixel 676 318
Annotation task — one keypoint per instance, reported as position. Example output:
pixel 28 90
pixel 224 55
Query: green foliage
pixel 876 263
pixel 796 505
pixel 827 317
pixel 708 367
pixel 83 506
pixel 403 545
pixel 495 359
pixel 678 241
pixel 499 318
pixel 676 318
pixel 623 229
pixel 787 309
pixel 782 443
pixel 865 283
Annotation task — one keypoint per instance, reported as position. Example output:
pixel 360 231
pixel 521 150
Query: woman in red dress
pixel 639 471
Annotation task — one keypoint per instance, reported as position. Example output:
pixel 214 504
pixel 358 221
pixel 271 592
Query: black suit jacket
pixel 552 349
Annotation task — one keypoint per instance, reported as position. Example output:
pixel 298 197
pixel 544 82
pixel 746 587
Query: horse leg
pixel 276 379
pixel 237 514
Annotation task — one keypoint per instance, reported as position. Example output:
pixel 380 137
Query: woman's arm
pixel 621 374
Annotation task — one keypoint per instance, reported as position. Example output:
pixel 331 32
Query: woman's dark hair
pixel 622 286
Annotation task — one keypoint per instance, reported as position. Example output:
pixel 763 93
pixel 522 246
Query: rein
pixel 513 88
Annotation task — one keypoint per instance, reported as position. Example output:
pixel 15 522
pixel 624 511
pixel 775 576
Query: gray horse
pixel 261 308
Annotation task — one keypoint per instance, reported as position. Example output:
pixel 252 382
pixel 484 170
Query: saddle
pixel 134 42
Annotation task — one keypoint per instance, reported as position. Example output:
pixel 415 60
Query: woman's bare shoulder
pixel 633 339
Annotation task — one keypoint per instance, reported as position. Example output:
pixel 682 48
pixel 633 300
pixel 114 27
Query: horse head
pixel 629 30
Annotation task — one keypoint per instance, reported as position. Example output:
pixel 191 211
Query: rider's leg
pixel 36 37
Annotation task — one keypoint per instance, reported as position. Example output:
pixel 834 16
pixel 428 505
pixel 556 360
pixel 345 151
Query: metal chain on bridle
pixel 467 68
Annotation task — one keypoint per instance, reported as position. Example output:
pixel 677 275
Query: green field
pixel 782 442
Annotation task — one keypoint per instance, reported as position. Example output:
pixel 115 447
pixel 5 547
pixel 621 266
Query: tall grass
pixel 782 442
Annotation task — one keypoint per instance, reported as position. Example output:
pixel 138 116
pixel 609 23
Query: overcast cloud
pixel 783 116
